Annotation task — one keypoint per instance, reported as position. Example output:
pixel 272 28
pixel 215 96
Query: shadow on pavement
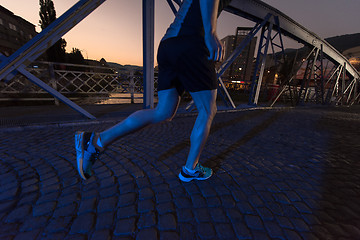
pixel 339 206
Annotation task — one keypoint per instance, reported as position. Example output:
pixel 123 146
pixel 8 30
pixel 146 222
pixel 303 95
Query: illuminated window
pixel 12 26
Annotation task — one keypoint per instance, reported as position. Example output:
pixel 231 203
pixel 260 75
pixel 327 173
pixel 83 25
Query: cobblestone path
pixel 279 174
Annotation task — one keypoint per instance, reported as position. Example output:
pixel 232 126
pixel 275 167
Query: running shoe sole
pixel 79 146
pixel 190 178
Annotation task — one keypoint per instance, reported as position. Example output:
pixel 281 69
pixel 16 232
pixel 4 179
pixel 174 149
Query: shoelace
pixel 201 168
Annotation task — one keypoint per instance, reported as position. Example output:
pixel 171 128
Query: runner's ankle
pixel 190 171
pixel 97 142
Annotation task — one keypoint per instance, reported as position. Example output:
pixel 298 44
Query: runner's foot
pixel 201 173
pixel 86 153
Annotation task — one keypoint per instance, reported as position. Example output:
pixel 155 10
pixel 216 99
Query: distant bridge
pixel 340 87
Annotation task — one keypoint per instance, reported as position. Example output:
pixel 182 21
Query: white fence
pixel 80 83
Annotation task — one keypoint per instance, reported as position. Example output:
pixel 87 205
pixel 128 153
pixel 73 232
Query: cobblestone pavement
pixel 279 174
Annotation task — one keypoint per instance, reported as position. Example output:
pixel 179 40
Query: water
pixel 123 98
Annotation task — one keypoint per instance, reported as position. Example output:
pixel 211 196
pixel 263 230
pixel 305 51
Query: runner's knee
pixel 161 116
pixel 208 112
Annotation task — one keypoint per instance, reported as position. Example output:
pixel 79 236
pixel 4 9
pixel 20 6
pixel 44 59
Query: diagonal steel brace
pixel 28 53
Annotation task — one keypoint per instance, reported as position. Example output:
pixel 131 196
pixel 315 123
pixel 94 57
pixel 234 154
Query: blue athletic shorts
pixel 184 65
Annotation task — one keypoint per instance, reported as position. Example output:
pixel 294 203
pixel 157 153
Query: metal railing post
pixel 132 86
pixel 148 52
pixel 260 65
pixel 343 84
pixel 53 81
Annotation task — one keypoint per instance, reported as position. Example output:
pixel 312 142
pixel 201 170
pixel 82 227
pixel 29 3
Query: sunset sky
pixel 114 30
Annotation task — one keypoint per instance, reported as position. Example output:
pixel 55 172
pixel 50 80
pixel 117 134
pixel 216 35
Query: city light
pixel 241 82
pixel 354 60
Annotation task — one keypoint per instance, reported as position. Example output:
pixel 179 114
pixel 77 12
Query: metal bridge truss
pixel 321 84
pixel 254 10
pixel 313 71
pixel 315 86
pixel 266 36
pixel 266 40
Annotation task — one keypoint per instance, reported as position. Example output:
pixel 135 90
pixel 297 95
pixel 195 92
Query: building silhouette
pixel 14 31
pixel 242 67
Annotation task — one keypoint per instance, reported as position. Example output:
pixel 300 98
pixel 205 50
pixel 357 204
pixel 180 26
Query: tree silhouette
pixel 75 57
pixel 47 13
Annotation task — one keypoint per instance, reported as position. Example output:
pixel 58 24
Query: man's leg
pixel 165 110
pixel 89 145
pixel 205 102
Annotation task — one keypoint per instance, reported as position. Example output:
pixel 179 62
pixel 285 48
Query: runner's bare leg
pixel 205 102
pixel 165 110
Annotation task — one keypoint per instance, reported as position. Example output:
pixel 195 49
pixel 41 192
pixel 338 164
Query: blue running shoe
pixel 86 153
pixel 201 173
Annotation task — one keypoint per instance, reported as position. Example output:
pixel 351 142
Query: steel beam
pixel 178 2
pixel 148 51
pixel 343 83
pixel 278 61
pixel 337 88
pixel 281 44
pixel 331 87
pixel 225 94
pixel 356 95
pixel 260 64
pixel 262 68
pixel 171 5
pixel 309 73
pixel 318 73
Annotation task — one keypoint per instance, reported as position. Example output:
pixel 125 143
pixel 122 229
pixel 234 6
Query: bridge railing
pixel 81 83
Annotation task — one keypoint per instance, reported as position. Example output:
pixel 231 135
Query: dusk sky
pixel 114 30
